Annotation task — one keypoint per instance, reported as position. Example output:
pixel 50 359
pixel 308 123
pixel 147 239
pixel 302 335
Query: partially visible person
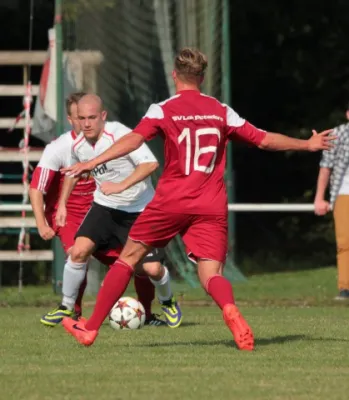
pixel 190 198
pixel 45 190
pixel 334 172
pixel 45 187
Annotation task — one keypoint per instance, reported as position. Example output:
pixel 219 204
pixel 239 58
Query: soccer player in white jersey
pixel 108 222
pixel 45 189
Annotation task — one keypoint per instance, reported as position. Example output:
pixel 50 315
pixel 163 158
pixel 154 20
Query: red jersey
pixel 196 129
pixel 48 179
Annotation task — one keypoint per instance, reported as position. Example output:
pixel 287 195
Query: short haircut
pixel 73 98
pixel 190 64
pixel 91 97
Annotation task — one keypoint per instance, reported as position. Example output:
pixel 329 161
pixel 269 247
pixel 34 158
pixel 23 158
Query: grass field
pixel 302 349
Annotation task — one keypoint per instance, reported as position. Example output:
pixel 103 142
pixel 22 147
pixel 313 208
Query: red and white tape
pixel 24 148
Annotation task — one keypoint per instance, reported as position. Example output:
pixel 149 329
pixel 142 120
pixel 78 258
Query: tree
pixel 291 69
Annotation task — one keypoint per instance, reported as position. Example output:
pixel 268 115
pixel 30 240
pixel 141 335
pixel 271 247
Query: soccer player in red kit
pixel 190 197
pixel 45 190
pixel 45 187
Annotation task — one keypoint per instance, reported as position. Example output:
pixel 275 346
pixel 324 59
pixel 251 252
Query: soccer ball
pixel 127 313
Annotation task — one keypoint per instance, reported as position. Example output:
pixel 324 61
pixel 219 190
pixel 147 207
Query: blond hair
pixel 73 98
pixel 190 64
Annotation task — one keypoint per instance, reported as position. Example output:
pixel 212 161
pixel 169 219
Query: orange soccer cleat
pixel 78 330
pixel 238 326
pixel 81 319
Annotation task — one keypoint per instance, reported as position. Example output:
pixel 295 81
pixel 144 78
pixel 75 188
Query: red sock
pixel 114 285
pixel 220 289
pixel 145 291
pixel 78 302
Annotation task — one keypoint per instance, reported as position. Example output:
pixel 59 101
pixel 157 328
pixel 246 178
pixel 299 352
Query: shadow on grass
pixel 294 338
pixel 191 323
pixel 183 324
pixel 230 342
pixel 280 339
pixel 319 339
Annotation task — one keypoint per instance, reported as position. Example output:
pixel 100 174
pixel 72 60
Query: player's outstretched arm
pixel 125 145
pixel 141 172
pixel 68 186
pixel 279 142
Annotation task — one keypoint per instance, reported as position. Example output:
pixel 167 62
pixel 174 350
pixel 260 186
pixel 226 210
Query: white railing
pixel 231 207
pixel 281 207
pixel 15 207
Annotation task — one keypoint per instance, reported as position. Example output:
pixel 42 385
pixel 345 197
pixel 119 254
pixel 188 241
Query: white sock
pixel 163 287
pixel 73 275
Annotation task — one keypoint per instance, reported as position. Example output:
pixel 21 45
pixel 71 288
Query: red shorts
pixel 67 233
pixel 107 257
pixel 204 236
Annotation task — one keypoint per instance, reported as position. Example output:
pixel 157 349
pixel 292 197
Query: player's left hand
pixel 321 141
pixel 109 188
pixel 46 232
pixel 78 169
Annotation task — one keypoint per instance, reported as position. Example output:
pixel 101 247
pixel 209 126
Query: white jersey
pixel 133 199
pixel 57 154
pixel 48 179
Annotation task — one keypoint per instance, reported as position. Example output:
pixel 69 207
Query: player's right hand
pixel 46 232
pixel 78 169
pixel 61 215
pixel 322 207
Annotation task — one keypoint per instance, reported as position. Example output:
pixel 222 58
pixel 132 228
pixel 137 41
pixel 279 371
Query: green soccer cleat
pixel 172 312
pixel 55 317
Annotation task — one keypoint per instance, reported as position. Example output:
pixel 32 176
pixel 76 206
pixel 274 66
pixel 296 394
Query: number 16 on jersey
pixel 192 162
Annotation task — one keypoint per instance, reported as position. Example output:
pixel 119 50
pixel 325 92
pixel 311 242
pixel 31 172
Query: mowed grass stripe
pixel 301 353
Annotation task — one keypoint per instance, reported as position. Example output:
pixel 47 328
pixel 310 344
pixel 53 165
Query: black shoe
pixel 343 295
pixel 155 321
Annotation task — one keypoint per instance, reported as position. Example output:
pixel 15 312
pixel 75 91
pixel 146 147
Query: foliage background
pixel 290 74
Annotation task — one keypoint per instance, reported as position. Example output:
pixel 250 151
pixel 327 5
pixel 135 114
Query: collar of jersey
pixel 188 91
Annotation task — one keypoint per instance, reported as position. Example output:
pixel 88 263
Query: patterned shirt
pixel 337 159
